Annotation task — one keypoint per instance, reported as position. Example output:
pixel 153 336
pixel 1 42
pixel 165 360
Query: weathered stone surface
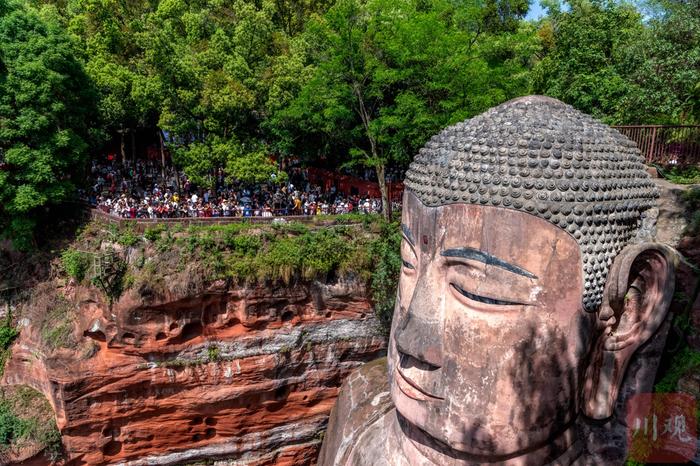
pixel 245 374
pixel 517 321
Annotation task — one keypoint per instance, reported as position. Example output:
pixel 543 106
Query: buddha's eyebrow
pixel 481 256
pixel 407 233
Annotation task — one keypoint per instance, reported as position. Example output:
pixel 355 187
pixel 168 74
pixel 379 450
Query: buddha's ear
pixel 637 295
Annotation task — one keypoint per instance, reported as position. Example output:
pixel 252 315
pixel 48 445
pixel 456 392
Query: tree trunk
pixel 162 154
pixel 133 147
pixel 381 178
pixel 122 149
pixel 379 165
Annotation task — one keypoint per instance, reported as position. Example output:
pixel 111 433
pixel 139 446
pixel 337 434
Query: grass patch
pixel 26 419
pixel 681 175
pixel 57 326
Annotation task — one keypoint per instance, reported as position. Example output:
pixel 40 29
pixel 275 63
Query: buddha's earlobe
pixel 637 295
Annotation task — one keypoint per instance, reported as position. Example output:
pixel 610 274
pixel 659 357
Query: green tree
pixel 46 103
pixel 587 62
pixel 667 81
pixel 603 58
pixel 107 31
pixel 389 74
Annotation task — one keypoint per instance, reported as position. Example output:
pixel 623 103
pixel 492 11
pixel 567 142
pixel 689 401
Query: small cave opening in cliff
pixel 213 311
pixel 282 392
pixel 190 331
pixel 210 421
pixel 160 336
pixel 112 448
pixel 96 335
pixel 195 421
pixel 328 315
pixel 210 433
pixel 287 316
pixel 280 399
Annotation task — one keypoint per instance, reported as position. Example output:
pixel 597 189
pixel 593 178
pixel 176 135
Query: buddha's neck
pixel 420 449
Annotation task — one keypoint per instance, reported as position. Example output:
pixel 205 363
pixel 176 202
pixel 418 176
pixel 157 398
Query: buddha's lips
pixel 411 389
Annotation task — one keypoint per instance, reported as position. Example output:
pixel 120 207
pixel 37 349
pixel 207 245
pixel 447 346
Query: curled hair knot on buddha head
pixel 540 156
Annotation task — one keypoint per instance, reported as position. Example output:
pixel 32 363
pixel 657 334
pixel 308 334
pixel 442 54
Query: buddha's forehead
pixel 517 238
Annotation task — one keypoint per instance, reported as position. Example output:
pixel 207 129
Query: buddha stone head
pixel 528 280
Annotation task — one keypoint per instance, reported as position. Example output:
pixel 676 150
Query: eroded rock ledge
pixel 237 373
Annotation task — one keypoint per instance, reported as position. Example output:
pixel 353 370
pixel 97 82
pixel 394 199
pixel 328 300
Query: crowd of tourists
pixel 145 189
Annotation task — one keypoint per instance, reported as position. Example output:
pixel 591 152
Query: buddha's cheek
pixel 511 382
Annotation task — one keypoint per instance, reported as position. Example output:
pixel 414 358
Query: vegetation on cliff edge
pixel 179 261
pixel 27 425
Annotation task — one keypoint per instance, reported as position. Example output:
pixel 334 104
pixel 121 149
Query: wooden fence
pixel 666 145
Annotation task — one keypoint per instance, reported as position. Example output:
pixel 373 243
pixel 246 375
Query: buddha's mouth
pixel 411 389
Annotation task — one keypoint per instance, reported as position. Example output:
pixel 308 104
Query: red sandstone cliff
pixel 247 374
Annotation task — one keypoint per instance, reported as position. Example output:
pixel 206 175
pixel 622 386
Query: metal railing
pixel 666 145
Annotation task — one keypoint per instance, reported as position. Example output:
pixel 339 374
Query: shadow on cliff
pixel 20 271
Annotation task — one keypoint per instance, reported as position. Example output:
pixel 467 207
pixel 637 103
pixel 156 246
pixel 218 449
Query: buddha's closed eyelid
pixel 484 299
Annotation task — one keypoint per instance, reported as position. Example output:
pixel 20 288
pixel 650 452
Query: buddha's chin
pixel 426 425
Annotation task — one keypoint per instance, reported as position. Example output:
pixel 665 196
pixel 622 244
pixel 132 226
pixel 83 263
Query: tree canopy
pixel 605 59
pixel 46 106
pixel 235 83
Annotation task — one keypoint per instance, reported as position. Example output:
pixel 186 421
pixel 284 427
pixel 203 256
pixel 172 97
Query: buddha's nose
pixel 418 333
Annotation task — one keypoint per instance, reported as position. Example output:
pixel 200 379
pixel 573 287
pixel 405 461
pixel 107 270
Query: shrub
pixel 75 263
pixel 323 252
pixel 26 416
pixel 12 428
pixel 127 238
pixel 245 245
pixel 682 175
pixel 213 353
pixel 110 278
pixel 691 198
pixel 281 261
pixel 153 233
pixel 685 360
pixel 7 336
pixel 385 253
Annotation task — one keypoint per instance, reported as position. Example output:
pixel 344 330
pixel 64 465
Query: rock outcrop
pixel 233 373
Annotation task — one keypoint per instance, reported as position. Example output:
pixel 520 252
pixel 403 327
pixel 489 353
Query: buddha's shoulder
pixel 363 400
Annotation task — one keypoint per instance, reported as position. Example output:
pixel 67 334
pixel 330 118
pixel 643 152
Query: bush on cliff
pixel 386 255
pixel 27 422
pixel 75 263
pixel 8 333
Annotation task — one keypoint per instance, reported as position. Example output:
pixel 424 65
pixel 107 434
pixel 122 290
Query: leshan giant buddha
pixel 528 282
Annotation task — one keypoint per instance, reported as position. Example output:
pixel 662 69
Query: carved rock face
pixel 489 340
pixel 541 156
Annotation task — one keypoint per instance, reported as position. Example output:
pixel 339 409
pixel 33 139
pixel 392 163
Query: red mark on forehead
pixel 425 239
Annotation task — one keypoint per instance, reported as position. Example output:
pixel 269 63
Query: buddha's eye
pixel 408 265
pixel 482 299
